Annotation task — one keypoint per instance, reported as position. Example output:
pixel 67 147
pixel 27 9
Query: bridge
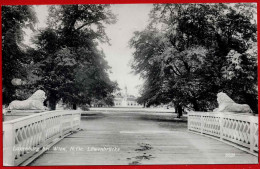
pixel 129 138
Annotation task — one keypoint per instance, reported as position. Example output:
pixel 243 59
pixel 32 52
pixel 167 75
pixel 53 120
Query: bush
pixel 84 107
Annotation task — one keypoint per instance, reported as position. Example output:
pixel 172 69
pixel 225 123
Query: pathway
pixel 134 138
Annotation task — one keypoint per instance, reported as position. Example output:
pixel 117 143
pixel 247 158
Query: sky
pixel 130 18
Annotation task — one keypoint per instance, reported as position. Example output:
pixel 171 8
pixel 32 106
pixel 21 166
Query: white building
pixel 125 100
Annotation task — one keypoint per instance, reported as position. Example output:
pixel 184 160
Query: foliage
pixel 15 60
pixel 84 108
pixel 190 52
pixel 68 60
pixel 106 101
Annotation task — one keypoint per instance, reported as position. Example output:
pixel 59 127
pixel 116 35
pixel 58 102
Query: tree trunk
pixel 74 106
pixel 178 110
pixel 252 101
pixel 195 105
pixel 53 101
pixel 52 104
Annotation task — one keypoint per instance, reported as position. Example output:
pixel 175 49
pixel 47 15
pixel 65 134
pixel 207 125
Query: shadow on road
pixel 89 115
pixel 167 121
pixel 164 118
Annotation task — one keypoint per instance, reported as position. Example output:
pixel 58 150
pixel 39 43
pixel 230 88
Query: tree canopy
pixel 190 52
pixel 71 65
pixel 14 56
pixel 65 60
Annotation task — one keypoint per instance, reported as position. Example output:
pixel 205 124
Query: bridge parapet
pixel 26 136
pixel 235 128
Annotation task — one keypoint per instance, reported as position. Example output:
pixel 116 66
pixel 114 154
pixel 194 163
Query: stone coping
pixel 22 112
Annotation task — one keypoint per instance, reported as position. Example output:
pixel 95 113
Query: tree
pixel 70 65
pixel 193 51
pixel 148 47
pixel 15 60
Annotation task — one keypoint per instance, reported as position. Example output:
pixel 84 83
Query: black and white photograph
pixel 130 84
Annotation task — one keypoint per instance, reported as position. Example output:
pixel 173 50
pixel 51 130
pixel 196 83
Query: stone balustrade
pixel 24 137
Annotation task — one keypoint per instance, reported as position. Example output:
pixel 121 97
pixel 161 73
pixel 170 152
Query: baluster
pixel 79 119
pixel 189 121
pixel 202 124
pixel 221 124
pixel 74 119
pixel 44 129
pixel 8 145
pixel 252 132
pixel 71 122
pixel 61 125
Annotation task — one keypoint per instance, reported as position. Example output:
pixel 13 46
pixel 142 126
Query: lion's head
pixel 38 95
pixel 223 98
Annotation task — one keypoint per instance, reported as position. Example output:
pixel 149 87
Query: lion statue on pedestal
pixel 226 104
pixel 35 102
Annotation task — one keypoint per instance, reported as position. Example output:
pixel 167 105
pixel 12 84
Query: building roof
pixel 131 99
pixel 120 98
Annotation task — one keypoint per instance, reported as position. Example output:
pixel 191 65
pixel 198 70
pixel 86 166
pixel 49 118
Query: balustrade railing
pixel 239 129
pixel 24 137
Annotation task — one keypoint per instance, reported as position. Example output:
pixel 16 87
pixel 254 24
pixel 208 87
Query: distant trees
pixel 190 52
pixel 66 61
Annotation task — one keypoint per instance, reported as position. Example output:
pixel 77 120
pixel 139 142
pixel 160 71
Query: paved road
pixel 135 138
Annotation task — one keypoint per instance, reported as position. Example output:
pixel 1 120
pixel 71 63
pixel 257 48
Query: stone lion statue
pixel 35 102
pixel 226 104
